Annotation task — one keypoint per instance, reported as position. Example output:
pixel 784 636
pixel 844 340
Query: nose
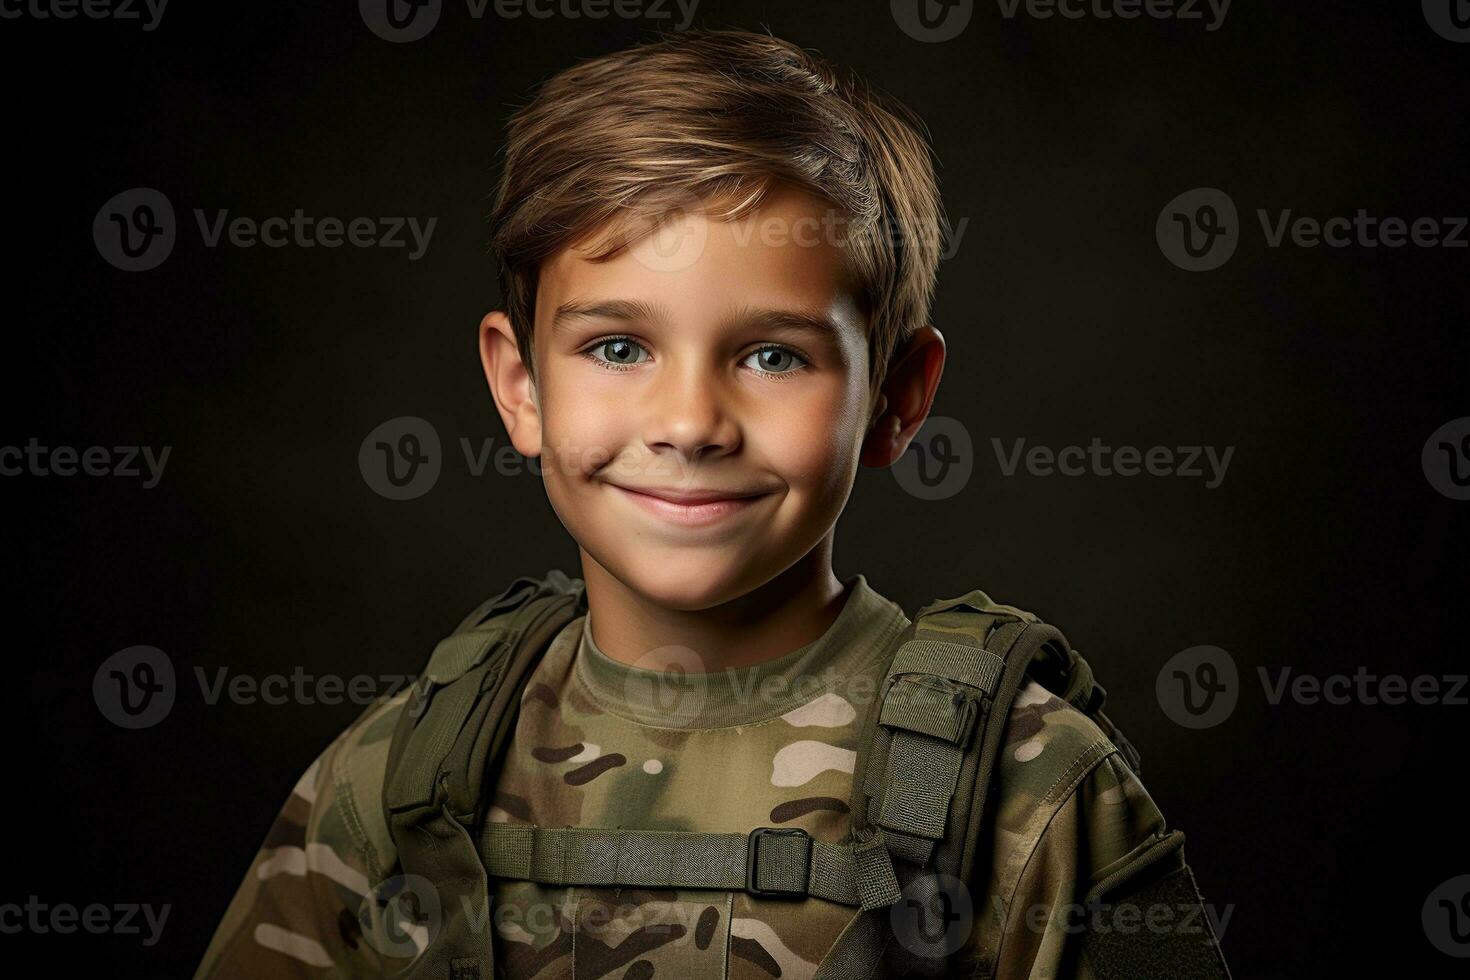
pixel 690 414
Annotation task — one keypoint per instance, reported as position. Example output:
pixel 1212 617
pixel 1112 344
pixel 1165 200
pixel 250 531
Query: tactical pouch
pixel 922 786
pixel 455 729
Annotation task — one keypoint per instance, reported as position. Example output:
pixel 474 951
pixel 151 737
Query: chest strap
pixel 769 862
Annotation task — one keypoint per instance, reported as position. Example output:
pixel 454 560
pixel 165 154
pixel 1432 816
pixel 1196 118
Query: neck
pixel 788 612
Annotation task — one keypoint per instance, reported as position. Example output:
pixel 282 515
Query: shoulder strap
pixel 432 792
pixel 933 734
pixel 922 784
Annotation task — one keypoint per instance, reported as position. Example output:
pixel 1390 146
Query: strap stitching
pixel 346 805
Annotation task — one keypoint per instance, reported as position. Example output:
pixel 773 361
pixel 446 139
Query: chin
pixel 686 582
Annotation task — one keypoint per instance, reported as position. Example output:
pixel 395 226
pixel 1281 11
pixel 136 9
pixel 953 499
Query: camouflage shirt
pixel 601 744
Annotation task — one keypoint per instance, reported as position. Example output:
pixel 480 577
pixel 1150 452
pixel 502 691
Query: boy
pixel 715 759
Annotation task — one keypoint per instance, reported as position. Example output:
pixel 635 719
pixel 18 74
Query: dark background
pixel 1324 828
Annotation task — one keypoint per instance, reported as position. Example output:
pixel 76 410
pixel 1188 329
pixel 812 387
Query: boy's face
pixel 699 409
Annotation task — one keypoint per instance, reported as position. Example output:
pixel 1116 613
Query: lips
pixel 691 508
pixel 691 497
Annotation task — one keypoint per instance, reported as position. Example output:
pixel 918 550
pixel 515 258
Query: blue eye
pixel 621 353
pixel 618 351
pixel 775 360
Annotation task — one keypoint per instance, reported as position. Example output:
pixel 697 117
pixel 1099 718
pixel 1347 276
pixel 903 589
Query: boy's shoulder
pixel 1065 794
pixel 1055 757
pixel 1049 743
pixel 347 783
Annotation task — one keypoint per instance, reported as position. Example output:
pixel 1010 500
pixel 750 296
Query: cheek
pixel 812 440
pixel 579 428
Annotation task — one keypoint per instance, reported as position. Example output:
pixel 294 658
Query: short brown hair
pixel 718 116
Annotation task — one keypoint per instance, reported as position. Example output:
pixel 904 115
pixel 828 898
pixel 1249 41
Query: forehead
pixel 786 253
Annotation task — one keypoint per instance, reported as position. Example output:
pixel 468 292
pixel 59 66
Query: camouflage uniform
pixel 598 745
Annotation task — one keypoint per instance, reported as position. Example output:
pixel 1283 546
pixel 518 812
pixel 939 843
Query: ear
pixel 904 397
pixel 510 383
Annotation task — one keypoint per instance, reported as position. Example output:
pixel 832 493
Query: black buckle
pixel 752 849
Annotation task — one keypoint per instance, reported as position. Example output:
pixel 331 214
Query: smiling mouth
pixel 691 508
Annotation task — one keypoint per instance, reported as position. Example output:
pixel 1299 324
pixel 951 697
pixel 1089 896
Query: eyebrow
pixel 636 311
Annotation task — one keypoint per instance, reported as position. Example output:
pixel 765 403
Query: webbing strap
pixel 877 881
pixel 443 745
pixel 430 741
pixel 960 662
pixel 787 864
pixel 922 772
